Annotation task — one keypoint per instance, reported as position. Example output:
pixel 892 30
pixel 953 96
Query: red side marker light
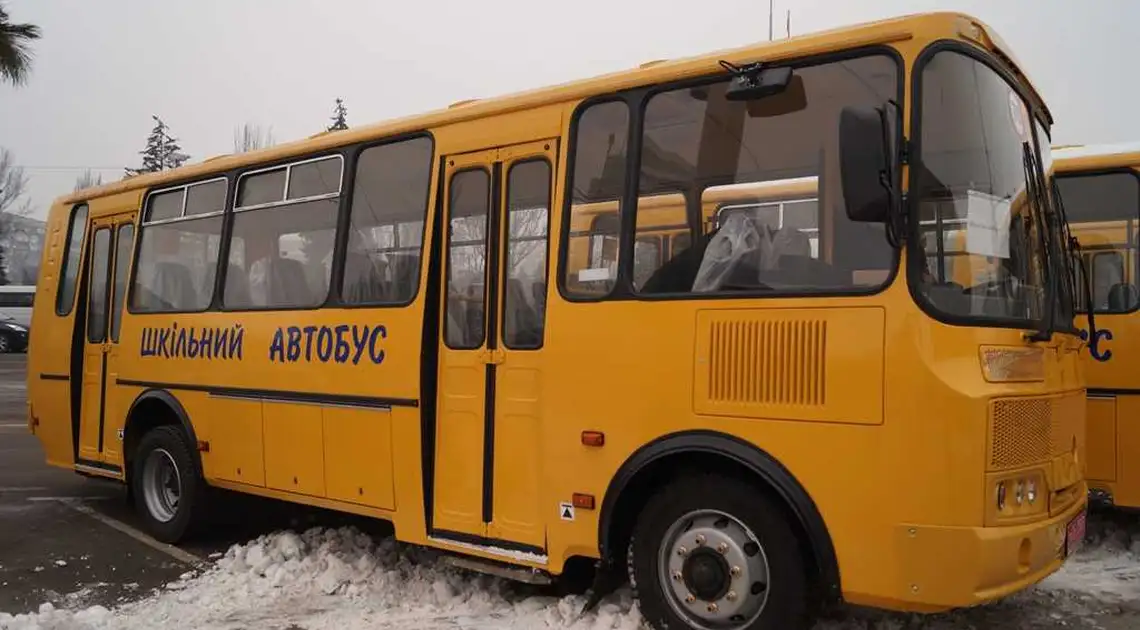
pixel 584 501
pixel 593 438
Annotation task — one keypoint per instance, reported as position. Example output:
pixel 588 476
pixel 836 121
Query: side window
pixel 97 292
pixel 705 150
pixel 386 223
pixel 178 248
pixel 284 227
pixel 69 267
pixel 1108 277
pixel 1103 212
pixel 528 220
pixel 124 245
pixel 467 259
pixel 597 183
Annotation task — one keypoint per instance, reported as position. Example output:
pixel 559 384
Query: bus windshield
pixel 978 200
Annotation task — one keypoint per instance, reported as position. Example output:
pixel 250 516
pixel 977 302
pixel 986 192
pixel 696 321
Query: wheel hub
pixel 714 571
pixel 706 573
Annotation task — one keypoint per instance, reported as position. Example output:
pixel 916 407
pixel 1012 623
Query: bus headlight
pixel 1012 364
pixel 1016 496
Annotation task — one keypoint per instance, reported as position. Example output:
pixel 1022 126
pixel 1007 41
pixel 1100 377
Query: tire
pixel 755 581
pixel 5 344
pixel 160 449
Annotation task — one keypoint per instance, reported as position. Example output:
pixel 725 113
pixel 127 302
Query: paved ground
pixel 70 540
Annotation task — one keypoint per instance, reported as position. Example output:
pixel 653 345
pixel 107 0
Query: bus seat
pixel 237 285
pixel 404 277
pixel 174 286
pixel 363 281
pixel 1121 297
pixel 679 272
pixel 287 283
pixel 538 292
pixel 521 321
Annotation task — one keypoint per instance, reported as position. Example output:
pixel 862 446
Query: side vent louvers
pixel 775 362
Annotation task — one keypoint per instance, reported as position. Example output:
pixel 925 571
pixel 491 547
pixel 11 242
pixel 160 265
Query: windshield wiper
pixel 1075 250
pixel 1033 193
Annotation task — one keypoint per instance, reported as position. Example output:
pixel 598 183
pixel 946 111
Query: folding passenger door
pixel 487 445
pixel 110 247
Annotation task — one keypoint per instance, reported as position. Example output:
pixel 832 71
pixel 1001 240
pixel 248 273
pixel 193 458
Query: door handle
pixel 492 357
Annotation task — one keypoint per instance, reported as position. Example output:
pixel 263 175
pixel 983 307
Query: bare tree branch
pixel 13 185
pixel 88 180
pixel 252 137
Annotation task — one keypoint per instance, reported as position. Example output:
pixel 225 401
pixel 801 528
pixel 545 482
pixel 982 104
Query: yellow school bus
pixel 785 410
pixel 1100 189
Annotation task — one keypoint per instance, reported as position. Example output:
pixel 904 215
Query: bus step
pixel 520 574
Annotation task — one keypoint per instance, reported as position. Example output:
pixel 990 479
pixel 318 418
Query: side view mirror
pixel 865 165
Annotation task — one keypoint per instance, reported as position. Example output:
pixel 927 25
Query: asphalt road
pixel 74 541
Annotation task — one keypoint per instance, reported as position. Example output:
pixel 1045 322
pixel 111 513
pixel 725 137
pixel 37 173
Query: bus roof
pixel 1095 156
pixel 935 24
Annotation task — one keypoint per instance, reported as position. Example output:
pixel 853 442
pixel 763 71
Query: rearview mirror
pixel 791 99
pixel 864 165
pixel 750 85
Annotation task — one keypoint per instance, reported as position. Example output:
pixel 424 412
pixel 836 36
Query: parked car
pixel 13 335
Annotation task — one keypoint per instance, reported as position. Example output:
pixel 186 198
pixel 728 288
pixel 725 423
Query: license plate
pixel 1075 534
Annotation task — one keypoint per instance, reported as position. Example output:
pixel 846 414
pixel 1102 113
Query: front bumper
pixel 943 568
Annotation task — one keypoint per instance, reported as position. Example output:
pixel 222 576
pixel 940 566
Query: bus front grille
pixel 1025 431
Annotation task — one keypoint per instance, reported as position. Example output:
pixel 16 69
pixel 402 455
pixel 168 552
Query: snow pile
pixel 342 579
pixel 1108 567
pixel 326 579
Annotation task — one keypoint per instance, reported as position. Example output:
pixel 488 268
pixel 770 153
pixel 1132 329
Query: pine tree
pixel 339 117
pixel 162 151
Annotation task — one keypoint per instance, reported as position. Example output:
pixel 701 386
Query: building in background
pixel 21 240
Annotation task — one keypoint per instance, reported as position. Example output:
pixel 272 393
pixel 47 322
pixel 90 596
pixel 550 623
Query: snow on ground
pixel 341 579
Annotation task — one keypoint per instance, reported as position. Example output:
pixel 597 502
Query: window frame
pixel 637 100
pixel 108 279
pixel 233 210
pixel 551 181
pixel 116 314
pixel 141 224
pixel 432 200
pixel 65 259
pixel 1122 170
pixel 446 244
pixel 1037 115
pixel 349 153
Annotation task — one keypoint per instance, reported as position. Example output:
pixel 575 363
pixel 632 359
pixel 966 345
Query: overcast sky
pixel 206 66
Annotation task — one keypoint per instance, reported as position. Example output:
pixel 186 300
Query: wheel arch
pixel 152 408
pixel 655 462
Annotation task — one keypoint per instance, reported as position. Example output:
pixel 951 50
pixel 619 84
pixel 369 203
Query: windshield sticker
pixel 987 225
pixel 1019 116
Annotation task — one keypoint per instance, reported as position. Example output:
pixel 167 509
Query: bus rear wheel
pixel 713 553
pixel 167 488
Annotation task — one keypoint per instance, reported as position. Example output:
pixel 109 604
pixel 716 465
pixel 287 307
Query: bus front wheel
pixel 711 551
pixel 166 485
